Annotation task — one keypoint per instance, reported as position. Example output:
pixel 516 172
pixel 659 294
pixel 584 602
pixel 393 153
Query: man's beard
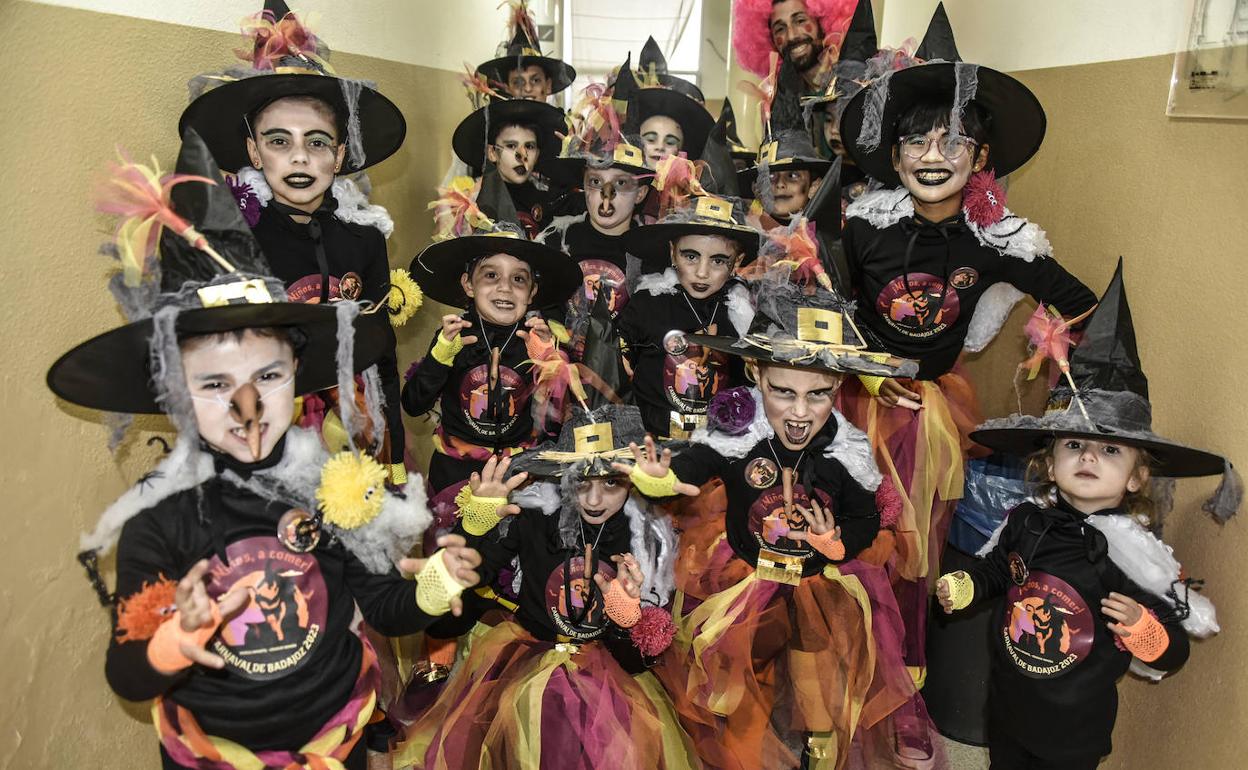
pixel 810 59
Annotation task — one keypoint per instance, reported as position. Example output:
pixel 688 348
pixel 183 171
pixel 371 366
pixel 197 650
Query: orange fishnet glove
pixel 164 651
pixel 624 610
pixel 828 544
pixel 1148 639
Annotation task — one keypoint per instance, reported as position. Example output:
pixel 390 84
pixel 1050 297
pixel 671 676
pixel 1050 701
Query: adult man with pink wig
pixel 798 29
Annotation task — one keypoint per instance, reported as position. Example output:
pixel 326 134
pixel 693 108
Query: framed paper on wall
pixel 1210 78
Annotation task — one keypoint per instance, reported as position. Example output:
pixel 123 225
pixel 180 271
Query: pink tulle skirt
pixel 520 702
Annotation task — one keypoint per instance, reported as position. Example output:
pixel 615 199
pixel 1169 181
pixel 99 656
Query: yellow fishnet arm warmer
pixel 961 588
pixel 654 487
pixel 435 587
pixel 444 350
pixel 480 514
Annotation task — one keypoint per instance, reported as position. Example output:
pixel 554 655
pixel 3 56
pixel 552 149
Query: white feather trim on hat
pixel 186 467
pixel 353 205
pixel 852 449
pixel 737 447
pixel 659 283
pixel 740 308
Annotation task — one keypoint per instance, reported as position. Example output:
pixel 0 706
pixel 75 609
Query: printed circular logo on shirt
pixel 601 276
pixel 925 309
pixel 693 377
pixel 761 473
pixel 770 524
pixel 277 630
pixel 573 600
pixel 1047 628
pixel 308 289
pixel 964 278
pixel 490 407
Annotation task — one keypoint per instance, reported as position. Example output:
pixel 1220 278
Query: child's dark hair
pixel 1135 504
pixel 930 114
pixel 497 128
pixel 291 335
pixel 327 110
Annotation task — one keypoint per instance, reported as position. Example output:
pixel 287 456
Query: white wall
pixel 1016 35
pixel 397 30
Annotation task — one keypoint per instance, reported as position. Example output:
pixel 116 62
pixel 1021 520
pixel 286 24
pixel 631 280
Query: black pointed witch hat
pixel 842 79
pixel 473 134
pixel 1111 401
pixel 1016 124
pixel 439 267
pixel 524 50
pixel 369 124
pixel 786 142
pixel 860 42
pixel 647 102
pixel 653 65
pixel 732 136
pixel 214 278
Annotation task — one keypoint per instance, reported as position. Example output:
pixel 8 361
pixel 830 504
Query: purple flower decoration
pixel 248 201
pixel 731 411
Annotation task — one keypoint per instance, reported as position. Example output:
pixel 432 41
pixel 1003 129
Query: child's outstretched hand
pixel 460 560
pixel 195 612
pixel 452 325
pixel 893 393
pixel 1122 608
pixel 492 481
pixel 653 464
pixel 628 573
pixel 819 520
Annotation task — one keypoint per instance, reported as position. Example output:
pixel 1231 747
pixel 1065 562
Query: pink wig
pixel 751 28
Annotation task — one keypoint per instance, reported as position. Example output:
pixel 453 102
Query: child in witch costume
pixel 289 126
pixel 518 137
pixel 1088 591
pixel 667 119
pixel 783 636
pixel 936 264
pixel 234 601
pixel 521 70
pixel 481 362
pixel 564 684
pixel 610 171
pixel 697 249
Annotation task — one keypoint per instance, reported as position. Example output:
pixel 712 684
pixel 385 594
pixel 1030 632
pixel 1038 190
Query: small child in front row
pixel 1089 592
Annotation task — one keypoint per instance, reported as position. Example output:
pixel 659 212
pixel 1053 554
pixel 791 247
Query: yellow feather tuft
pixel 352 490
pixel 404 298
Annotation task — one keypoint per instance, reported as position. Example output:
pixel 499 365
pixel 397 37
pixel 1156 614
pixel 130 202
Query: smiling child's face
pixel 501 288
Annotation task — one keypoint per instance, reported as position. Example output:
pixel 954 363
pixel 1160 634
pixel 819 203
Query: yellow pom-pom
pixel 404 298
pixel 352 490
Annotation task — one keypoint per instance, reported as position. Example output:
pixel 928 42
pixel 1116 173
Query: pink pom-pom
pixel 888 503
pixel 983 199
pixel 654 632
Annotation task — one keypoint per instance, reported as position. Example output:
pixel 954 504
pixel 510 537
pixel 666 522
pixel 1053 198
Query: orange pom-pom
pixel 141 613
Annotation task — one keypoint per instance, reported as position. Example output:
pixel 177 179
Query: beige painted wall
pixel 77 84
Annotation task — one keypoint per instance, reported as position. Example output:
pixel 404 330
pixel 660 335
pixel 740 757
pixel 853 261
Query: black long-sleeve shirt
pixel 291 658
pixel 754 485
pixel 492 415
pixel 673 389
pixel 353 254
pixel 1055 666
pixel 923 310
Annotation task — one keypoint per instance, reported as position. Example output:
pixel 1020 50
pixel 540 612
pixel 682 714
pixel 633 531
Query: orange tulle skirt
pixel 760 670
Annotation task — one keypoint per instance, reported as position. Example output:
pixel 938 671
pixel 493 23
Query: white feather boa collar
pixel 850 447
pixel 740 306
pixel 353 205
pixel 1012 236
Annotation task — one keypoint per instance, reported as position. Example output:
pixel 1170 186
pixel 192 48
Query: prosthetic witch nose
pixel 246 407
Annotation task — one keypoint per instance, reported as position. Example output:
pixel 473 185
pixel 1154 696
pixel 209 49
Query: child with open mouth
pixel 778 643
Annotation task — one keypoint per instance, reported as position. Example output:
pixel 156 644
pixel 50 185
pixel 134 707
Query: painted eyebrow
pixel 273 131
pixel 319 132
pixel 690 253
